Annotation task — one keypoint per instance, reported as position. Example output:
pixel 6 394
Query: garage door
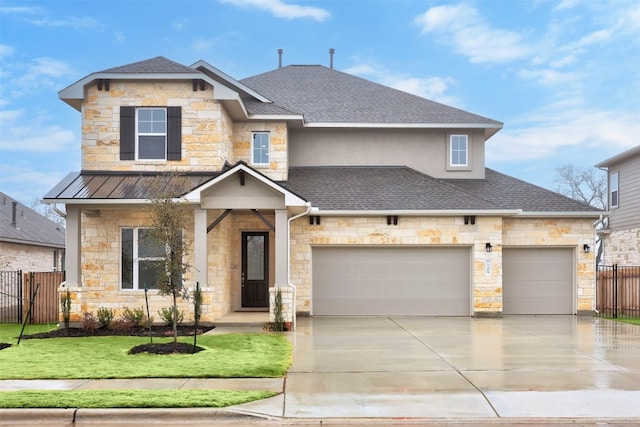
pixel 391 280
pixel 538 281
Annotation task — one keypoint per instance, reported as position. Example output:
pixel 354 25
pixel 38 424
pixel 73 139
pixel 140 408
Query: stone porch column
pixel 74 246
pixel 200 247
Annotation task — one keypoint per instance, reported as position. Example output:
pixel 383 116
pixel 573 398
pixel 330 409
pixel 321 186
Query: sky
pixel 563 76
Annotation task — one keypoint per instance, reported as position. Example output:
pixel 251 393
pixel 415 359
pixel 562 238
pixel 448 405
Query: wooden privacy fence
pixel 618 291
pixel 17 290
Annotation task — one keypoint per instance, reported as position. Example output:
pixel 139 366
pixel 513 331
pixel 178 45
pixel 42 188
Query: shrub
pixel 135 316
pixel 166 314
pixel 105 316
pixel 122 325
pixel 89 321
pixel 65 307
pixel 278 316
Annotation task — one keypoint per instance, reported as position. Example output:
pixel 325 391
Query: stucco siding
pixel 420 149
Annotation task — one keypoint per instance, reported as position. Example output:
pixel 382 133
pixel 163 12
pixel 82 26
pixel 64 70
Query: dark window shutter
pixel 127 133
pixel 174 133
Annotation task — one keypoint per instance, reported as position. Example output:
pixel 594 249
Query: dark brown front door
pixel 255 269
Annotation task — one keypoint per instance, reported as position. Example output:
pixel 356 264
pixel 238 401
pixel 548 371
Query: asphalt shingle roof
pixel 511 193
pixel 323 94
pixel 402 188
pixel 157 65
pixel 30 228
pixel 378 188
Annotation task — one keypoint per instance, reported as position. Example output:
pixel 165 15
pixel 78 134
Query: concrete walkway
pixel 523 368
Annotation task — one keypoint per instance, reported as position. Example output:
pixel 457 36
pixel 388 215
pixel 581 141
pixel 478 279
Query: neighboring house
pixel 351 197
pixel 28 240
pixel 622 236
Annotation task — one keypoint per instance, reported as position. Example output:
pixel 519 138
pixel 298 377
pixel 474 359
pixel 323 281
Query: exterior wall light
pixel 488 247
pixel 586 248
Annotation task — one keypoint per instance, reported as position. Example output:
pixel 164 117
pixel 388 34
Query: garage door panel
pixel 538 280
pixel 391 280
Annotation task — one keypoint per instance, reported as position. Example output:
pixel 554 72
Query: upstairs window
pixel 459 150
pixel 613 190
pixel 260 148
pixel 150 133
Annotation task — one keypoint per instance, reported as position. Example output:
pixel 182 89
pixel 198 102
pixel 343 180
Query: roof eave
pixel 619 157
pixel 75 93
pixel 563 214
pixel 405 212
pixel 490 127
pixel 32 242
pixel 207 68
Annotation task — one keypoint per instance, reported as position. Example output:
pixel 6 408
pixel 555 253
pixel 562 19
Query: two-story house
pixel 621 237
pixel 352 197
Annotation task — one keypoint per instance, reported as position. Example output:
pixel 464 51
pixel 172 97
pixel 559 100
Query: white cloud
pixel 119 37
pixel 6 50
pixel 548 77
pixel 434 88
pixel 21 133
pixel 280 9
pixel 180 24
pixel 7 10
pixel 75 22
pixel 463 28
pixel 201 45
pixel 547 132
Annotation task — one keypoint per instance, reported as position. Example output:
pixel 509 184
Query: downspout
pixel 595 233
pixel 58 211
pixel 295 290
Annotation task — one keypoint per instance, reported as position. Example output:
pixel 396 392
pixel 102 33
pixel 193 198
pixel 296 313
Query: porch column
pixel 282 239
pixel 73 246
pixel 200 246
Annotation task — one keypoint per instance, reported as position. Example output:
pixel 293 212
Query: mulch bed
pixel 166 348
pixel 156 331
pixel 154 348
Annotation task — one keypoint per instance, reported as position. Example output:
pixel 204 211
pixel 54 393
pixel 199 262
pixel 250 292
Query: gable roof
pixel 157 65
pixel 635 151
pixel 400 188
pixel 30 227
pixel 327 96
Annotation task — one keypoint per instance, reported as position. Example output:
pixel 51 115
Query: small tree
pixel 167 215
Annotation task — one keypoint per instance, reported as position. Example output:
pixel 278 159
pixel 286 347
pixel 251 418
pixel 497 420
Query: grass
pixel 631 320
pixel 225 356
pixel 129 398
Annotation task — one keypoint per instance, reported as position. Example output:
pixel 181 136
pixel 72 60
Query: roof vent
pixel 13 213
pixel 279 58
pixel 331 52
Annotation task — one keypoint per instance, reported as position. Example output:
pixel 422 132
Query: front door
pixel 255 269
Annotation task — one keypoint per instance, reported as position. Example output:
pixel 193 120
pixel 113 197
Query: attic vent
pixel 331 52
pixel 280 58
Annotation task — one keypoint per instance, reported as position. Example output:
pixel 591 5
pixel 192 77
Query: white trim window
pixel 143 260
pixel 151 133
pixel 260 148
pixel 459 150
pixel 613 190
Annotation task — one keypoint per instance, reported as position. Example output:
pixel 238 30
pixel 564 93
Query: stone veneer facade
pixel 209 137
pixel 17 256
pixel 622 247
pixel 449 231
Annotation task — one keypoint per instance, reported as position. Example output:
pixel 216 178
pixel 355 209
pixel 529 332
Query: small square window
pixel 260 148
pixel 459 150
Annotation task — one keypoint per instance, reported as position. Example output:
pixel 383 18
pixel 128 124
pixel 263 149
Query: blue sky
pixel 563 76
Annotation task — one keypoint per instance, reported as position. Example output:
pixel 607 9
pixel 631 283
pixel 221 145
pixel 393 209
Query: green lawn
pixel 258 355
pixel 632 320
pixel 129 398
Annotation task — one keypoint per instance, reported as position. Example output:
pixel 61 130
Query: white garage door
pixel 537 281
pixel 391 281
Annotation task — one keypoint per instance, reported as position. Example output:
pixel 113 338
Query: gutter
pixel 451 212
pixel 295 290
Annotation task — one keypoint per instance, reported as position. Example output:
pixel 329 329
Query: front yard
pixel 258 355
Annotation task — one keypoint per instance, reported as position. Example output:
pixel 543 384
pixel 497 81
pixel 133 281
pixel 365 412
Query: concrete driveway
pixel 422 367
